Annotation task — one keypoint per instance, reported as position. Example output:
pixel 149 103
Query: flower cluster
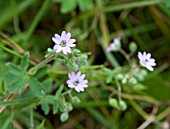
pixel 63 43
pixel 146 61
pixel 77 81
pixel 115 45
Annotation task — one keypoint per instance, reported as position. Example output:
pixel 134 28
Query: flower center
pixel 63 43
pixel 76 82
pixel 145 61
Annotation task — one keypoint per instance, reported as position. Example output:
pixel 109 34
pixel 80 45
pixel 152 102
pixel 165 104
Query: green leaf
pixel 47 85
pixel 36 87
pixel 60 105
pixel 15 80
pixel 14 83
pixel 41 72
pixel 55 108
pixel 166 2
pixel 157 85
pixel 85 4
pixel 45 108
pixel 59 91
pixel 41 126
pixel 49 99
pixel 24 61
pixel 14 69
pixel 109 78
pixel 67 5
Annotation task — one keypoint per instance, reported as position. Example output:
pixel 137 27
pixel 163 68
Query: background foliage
pixel 28 26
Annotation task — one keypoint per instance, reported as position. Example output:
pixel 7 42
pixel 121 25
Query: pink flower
pixel 146 61
pixel 77 81
pixel 63 43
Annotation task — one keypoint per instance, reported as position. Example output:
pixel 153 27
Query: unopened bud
pixel 64 116
pixel 113 102
pixel 133 47
pixel 76 100
pixel 76 52
pixel 132 81
pixel 122 105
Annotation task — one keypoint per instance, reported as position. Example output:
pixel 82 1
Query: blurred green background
pixel 94 24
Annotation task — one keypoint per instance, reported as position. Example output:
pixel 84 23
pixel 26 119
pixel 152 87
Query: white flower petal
pixel 55 40
pixel 81 77
pixel 68 49
pixel 57 48
pixel 58 38
pixel 71 86
pixel 71 41
pixel 68 35
pixel 149 67
pixel 63 35
pixel 139 55
pixel 152 60
pixel 70 82
pixel 148 56
pixel 64 51
pixel 71 45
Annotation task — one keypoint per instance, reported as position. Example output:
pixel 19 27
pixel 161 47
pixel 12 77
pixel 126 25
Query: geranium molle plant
pixel 63 43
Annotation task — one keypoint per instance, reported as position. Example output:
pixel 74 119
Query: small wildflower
pixel 146 60
pixel 63 43
pixel 115 45
pixel 77 81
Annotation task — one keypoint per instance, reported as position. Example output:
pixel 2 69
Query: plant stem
pixel 37 19
pixel 138 109
pixel 113 8
pixel 119 90
pixel 41 64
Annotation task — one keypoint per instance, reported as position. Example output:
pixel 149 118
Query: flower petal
pixel 149 67
pixel 71 41
pixel 63 35
pixel 64 51
pixel 68 49
pixel 67 38
pixel 71 45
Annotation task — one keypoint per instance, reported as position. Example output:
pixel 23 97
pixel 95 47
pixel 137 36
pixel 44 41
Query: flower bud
pixel 133 47
pixel 64 116
pixel 75 67
pixel 113 102
pixel 83 57
pixel 76 52
pixel 132 81
pixel 76 100
pixel 69 107
pixel 49 50
pixel 139 76
pixel 119 76
pixel 122 105
pixel 124 81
